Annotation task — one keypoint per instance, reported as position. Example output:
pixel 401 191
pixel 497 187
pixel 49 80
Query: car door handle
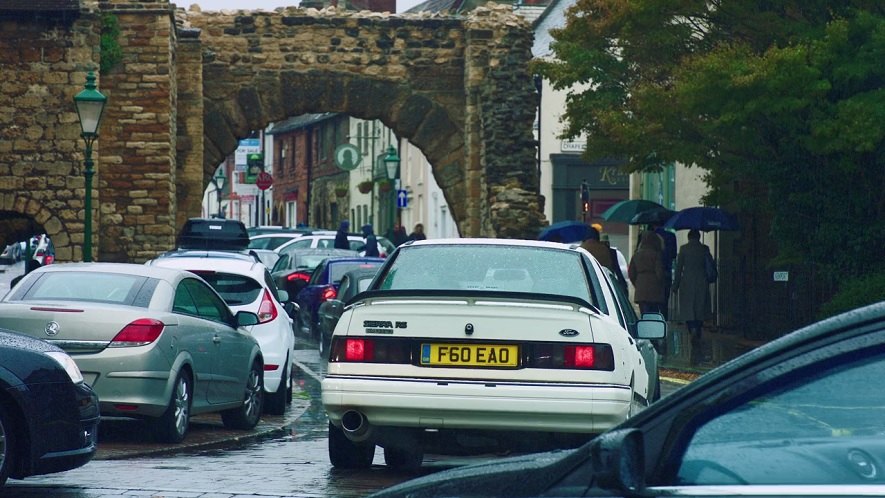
pixel 216 339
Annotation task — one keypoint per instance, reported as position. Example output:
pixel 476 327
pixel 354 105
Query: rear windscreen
pixel 116 288
pixel 236 290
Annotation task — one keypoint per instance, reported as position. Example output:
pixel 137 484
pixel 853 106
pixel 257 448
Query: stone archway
pixel 189 84
pixel 23 216
pixel 457 88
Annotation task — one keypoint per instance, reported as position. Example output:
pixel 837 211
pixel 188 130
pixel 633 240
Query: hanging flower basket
pixel 341 191
pixel 365 187
pixel 385 186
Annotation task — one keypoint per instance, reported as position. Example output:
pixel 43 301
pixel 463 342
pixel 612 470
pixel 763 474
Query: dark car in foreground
pixel 351 284
pixel 323 285
pixel 48 416
pixel 800 416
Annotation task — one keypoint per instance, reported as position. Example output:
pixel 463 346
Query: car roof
pixel 244 255
pixel 354 259
pixel 170 274
pixel 488 241
pixel 290 235
pixel 238 266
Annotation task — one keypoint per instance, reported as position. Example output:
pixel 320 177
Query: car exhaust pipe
pixel 356 426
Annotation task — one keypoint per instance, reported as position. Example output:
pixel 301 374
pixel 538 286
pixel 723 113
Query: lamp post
pixel 218 180
pixel 90 105
pixel 391 162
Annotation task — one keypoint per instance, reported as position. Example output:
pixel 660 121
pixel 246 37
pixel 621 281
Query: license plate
pixel 470 355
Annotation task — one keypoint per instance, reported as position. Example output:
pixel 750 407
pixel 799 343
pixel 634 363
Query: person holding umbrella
pixel 646 271
pixel 691 286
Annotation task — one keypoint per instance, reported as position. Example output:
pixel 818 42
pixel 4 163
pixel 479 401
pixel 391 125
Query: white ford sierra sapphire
pixel 463 342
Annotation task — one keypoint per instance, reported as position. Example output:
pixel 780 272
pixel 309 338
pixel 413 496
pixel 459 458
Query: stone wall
pixel 43 64
pixel 191 84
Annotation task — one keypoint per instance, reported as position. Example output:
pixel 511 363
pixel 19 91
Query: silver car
pixel 154 343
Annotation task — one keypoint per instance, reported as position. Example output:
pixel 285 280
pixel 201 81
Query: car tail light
pixel 298 276
pixel 369 350
pixel 270 367
pixel 570 356
pixel 48 260
pixel 328 293
pixel 267 311
pixel 138 333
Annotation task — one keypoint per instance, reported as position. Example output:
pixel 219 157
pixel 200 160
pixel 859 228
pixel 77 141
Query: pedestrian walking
pixel 341 241
pixel 600 251
pixel 690 285
pixel 398 234
pixel 647 273
pixel 618 260
pixel 668 256
pixel 418 234
pixel 371 241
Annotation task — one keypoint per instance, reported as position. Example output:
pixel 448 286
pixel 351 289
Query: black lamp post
pixel 391 162
pixel 218 180
pixel 90 105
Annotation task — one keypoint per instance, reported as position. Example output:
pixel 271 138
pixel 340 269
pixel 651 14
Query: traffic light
pixel 255 160
pixel 254 166
pixel 585 197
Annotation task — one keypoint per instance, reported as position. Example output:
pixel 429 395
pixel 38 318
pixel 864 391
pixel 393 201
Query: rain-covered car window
pixel 489 268
pixel 337 270
pixel 806 431
pixel 236 290
pixel 84 286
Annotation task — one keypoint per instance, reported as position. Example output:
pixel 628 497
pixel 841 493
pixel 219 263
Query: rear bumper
pixel 453 404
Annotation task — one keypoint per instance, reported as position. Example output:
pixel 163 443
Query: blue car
pixel 323 285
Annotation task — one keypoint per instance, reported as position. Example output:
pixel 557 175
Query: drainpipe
pixel 309 160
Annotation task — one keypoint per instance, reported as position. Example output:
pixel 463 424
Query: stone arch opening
pixel 26 217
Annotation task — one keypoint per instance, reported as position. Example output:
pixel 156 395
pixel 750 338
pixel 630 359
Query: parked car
pixel 213 234
pixel 795 417
pixel 487 344
pixel 322 286
pixel 273 240
pixel 276 229
pixel 295 266
pixel 267 257
pixel 326 240
pixel 43 249
pixel 11 254
pixel 351 284
pixel 247 286
pixel 48 416
pixel 154 343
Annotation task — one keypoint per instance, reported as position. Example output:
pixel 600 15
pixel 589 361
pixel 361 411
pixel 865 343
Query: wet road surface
pixel 285 456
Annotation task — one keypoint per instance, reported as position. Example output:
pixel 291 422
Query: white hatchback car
pixel 463 343
pixel 247 285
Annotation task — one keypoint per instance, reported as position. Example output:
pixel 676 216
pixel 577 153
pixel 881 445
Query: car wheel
pixel 276 402
pixel 346 454
pixel 7 445
pixel 322 346
pixel 172 425
pixel 403 458
pixel 291 386
pixel 247 415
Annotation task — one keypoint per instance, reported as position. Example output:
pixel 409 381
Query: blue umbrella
pixel 564 231
pixel 702 218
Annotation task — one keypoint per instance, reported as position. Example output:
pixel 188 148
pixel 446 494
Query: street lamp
pixel 218 180
pixel 391 162
pixel 90 105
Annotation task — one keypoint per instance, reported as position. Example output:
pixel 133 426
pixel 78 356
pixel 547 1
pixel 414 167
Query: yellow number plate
pixel 470 355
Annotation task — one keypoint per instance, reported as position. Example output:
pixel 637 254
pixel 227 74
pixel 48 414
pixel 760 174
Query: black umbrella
pixel 702 218
pixel 624 211
pixel 657 216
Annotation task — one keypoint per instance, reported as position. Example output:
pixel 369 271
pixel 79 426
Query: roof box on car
pixel 213 234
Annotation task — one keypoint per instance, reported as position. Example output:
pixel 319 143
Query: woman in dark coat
pixel 691 286
pixel 647 274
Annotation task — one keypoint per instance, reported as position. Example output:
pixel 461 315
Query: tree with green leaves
pixel 782 103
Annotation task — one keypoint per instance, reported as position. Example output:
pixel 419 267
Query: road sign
pixel 402 199
pixel 264 180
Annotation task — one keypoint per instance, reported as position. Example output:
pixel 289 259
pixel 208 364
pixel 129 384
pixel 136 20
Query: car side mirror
pixel 291 308
pixel 618 461
pixel 651 326
pixel 246 318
